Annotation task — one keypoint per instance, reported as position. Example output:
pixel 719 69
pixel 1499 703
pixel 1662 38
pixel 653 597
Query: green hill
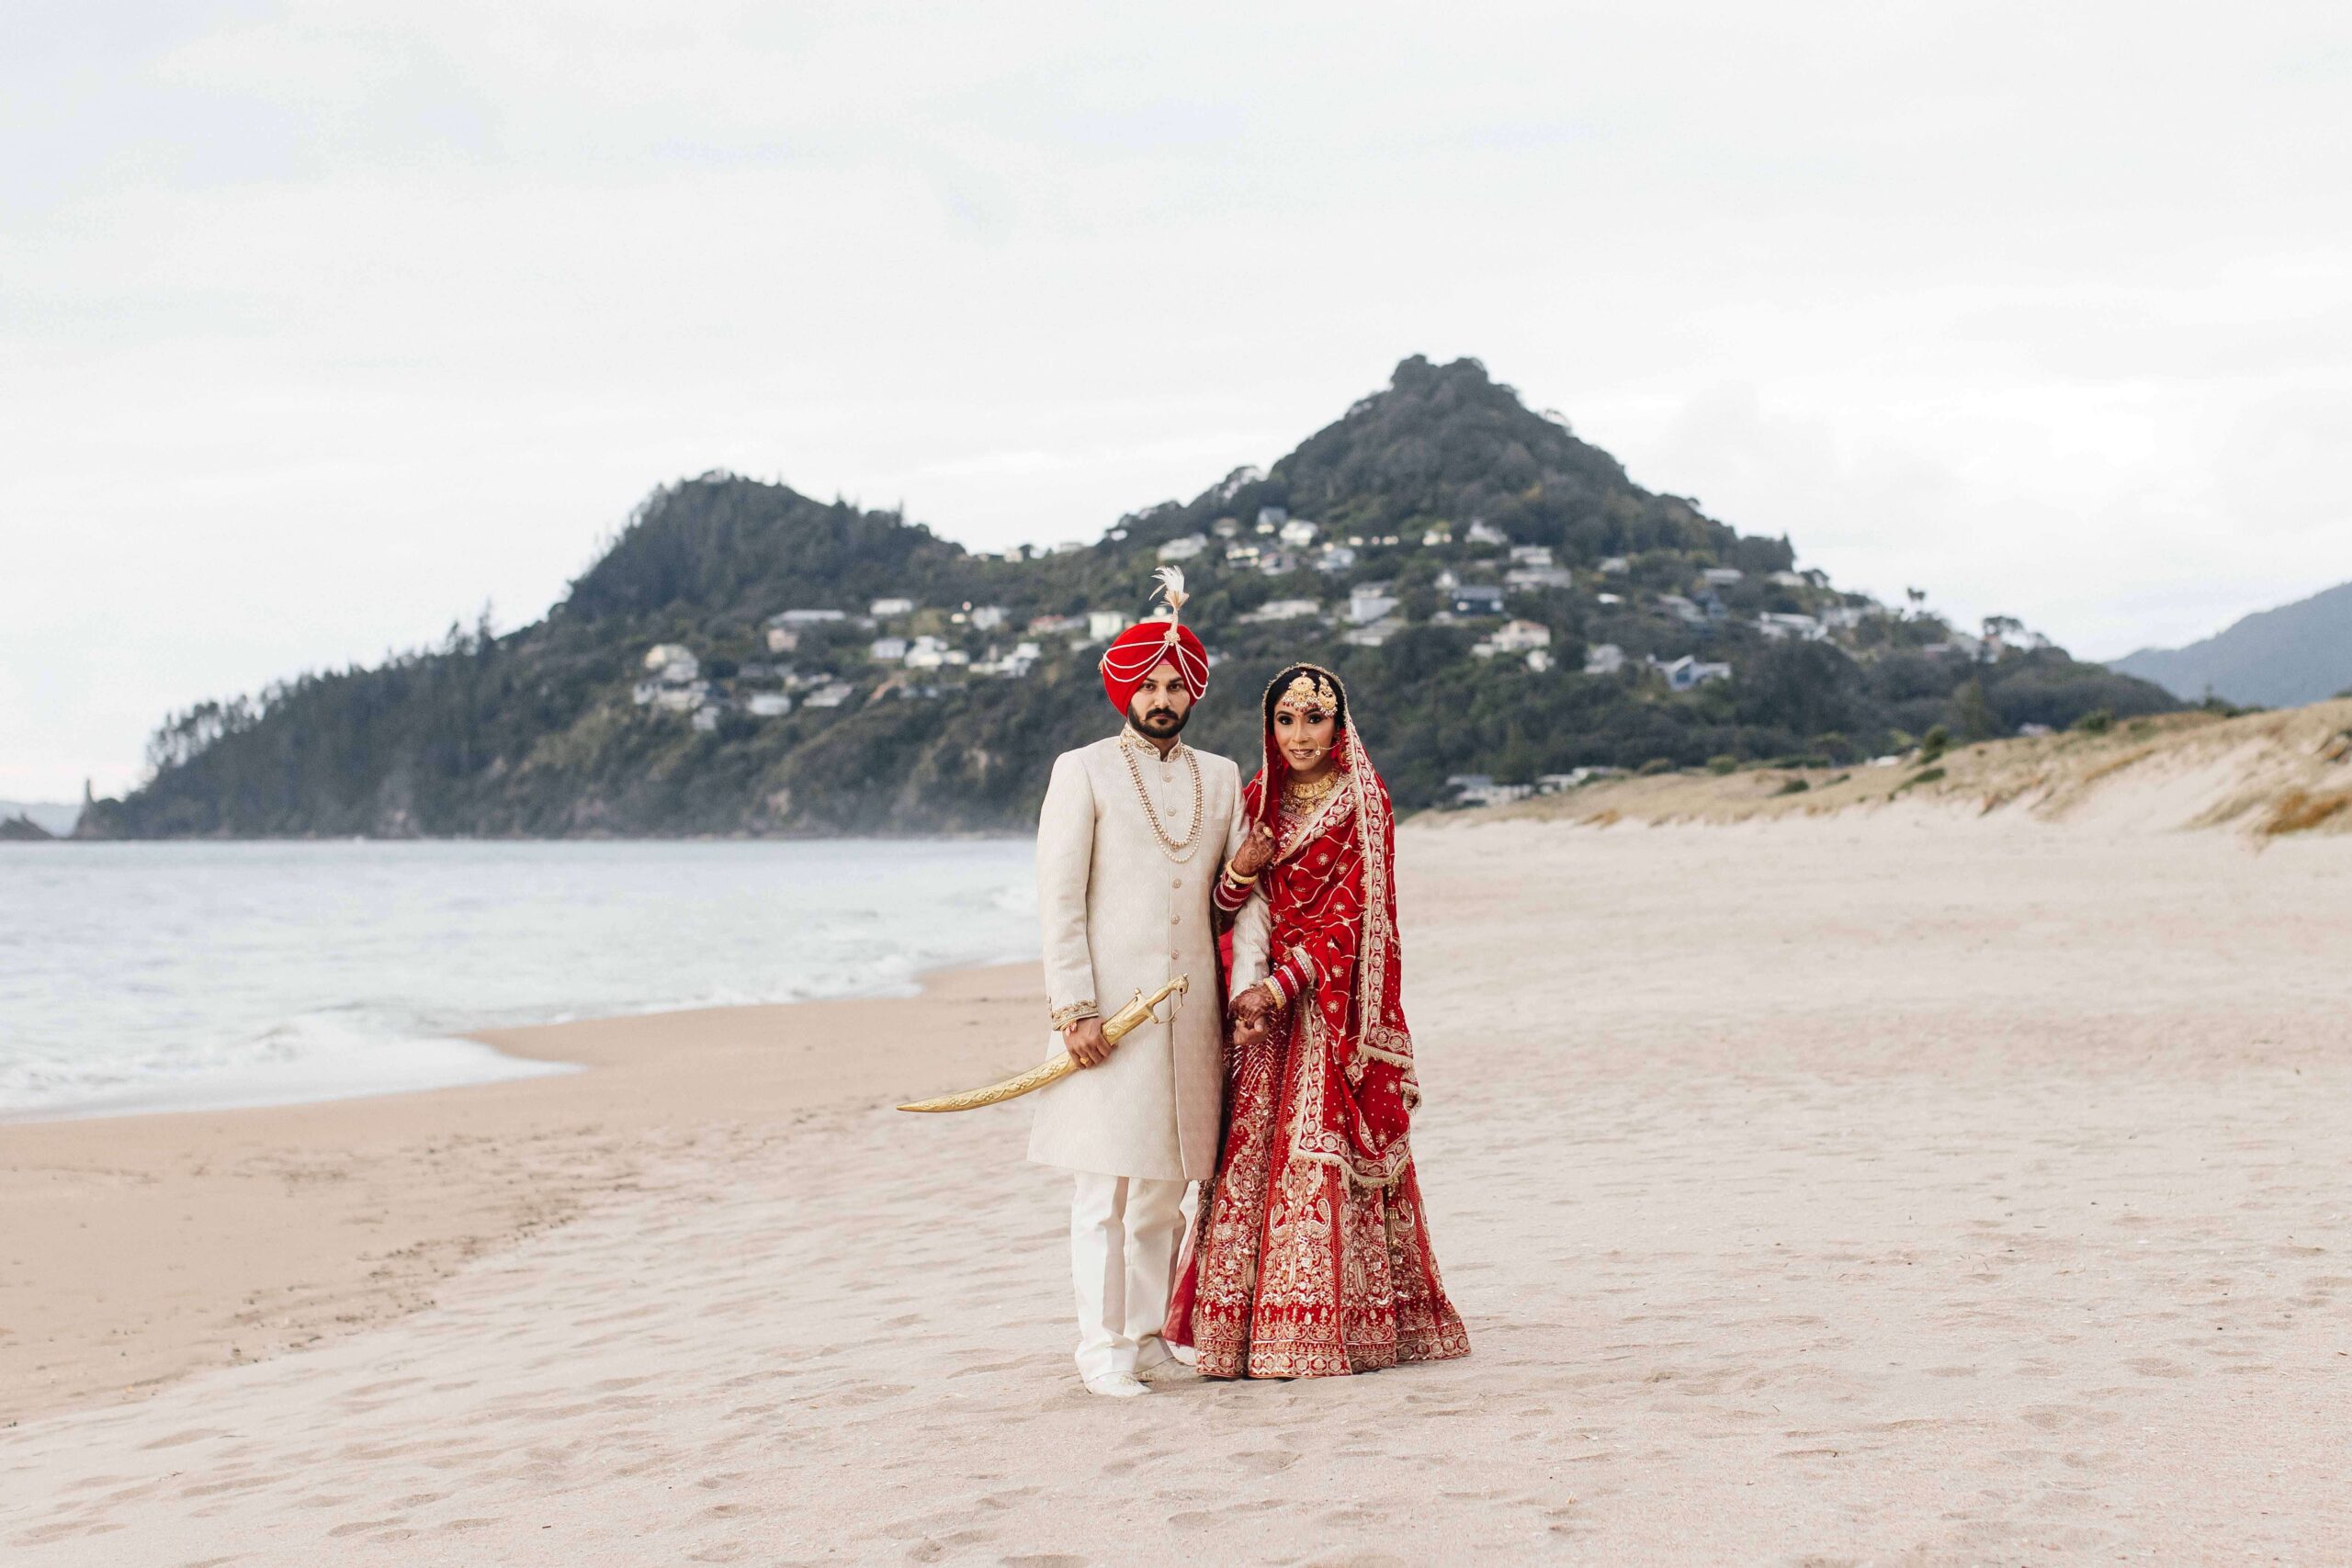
pixel 2295 654
pixel 1427 500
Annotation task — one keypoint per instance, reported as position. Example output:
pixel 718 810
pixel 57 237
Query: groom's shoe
pixel 1115 1385
pixel 1167 1367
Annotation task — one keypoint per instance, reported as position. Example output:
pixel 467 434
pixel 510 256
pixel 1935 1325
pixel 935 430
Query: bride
pixel 1310 1256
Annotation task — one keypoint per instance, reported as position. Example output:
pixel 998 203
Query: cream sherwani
pixel 1122 913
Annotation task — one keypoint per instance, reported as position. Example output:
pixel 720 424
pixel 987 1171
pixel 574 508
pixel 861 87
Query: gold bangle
pixel 1232 881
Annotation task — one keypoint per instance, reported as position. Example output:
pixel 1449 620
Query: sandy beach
pixel 1916 1184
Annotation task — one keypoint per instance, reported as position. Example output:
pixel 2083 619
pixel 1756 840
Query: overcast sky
pixel 322 324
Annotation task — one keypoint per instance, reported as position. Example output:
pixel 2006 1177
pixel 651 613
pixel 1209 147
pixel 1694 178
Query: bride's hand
pixel 1256 853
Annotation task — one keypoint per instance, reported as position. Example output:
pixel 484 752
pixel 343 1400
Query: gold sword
pixel 1126 1020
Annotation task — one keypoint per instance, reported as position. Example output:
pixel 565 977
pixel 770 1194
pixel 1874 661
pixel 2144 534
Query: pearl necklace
pixel 1177 849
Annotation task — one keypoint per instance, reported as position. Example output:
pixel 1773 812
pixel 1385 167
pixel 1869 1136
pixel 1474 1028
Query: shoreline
pixel 147 1246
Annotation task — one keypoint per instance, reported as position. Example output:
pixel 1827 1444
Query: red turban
pixel 1145 647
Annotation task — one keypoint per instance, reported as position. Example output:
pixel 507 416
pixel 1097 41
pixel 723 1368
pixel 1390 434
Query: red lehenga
pixel 1310 1255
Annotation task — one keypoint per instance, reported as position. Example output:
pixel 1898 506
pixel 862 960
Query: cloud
pixel 322 322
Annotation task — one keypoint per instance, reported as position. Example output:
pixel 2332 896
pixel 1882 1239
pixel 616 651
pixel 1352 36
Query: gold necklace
pixel 1298 794
pixel 1177 849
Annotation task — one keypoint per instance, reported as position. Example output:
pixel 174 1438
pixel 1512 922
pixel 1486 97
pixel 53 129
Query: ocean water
pixel 165 977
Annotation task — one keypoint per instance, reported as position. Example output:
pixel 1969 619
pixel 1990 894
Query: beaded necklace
pixel 1177 849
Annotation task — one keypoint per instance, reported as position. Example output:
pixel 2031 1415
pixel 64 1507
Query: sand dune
pixel 1898 1186
pixel 2265 773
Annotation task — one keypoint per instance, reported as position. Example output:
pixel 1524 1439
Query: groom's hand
pixel 1084 1041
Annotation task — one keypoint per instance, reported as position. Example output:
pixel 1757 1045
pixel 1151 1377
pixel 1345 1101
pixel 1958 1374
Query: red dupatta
pixel 1332 897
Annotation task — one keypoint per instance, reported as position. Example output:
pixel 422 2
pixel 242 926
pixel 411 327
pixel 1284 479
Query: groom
pixel 1134 832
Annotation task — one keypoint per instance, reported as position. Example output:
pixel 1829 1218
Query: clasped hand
pixel 1253 1014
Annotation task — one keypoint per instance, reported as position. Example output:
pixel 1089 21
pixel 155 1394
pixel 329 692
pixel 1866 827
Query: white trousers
pixel 1123 1235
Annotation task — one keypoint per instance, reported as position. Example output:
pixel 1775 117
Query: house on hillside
pixel 1298 533
pixel 1779 627
pixel 831 695
pixel 1334 559
pixel 1285 610
pixel 1688 672
pixel 1530 555
pixel 1485 533
pixel 1367 601
pixel 1616 566
pixel 1535 579
pixel 767 704
pixel 1225 527
pixel 799 618
pixel 1477 599
pixel 782 639
pixel 1185 549
pixel 986 617
pixel 1723 576
pixel 1057 625
pixel 1681 609
pixel 1603 658
pixel 1441 535
pixel 886 650
pixel 1270 518
pixel 885 609
pixel 1375 634
pixel 1518 637
pixel 672 661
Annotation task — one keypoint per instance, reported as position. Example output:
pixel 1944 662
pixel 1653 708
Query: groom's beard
pixel 1159 722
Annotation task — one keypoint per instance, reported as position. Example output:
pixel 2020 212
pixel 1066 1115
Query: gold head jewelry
pixel 1308 692
pixel 1125 1021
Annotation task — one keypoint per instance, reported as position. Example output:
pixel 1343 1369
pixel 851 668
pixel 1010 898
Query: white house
pixel 1518 637
pixel 986 617
pixel 886 650
pixel 1609 598
pixel 1057 625
pixel 1687 672
pixel 1778 626
pixel 767 704
pixel 1530 555
pixel 807 617
pixel 1270 518
pixel 1539 659
pixel 1437 536
pixel 706 718
pixel 1285 610
pixel 644 693
pixel 1372 635
pixel 682 699
pixel 1103 625
pixel 1277 562
pixel 1675 604
pixel 1368 601
pixel 1477 599
pixel 929 653
pixel 831 695
pixel 1185 549
pixel 782 639
pixel 1537 577
pixel 1723 576
pixel 1617 566
pixel 1604 658
pixel 1298 533
pixel 1786 579
pixel 1335 559
pixel 674 661
pixel 1485 533
pixel 883 609
pixel 1225 527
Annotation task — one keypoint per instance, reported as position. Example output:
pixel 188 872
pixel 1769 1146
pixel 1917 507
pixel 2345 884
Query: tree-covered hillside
pixel 1501 597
